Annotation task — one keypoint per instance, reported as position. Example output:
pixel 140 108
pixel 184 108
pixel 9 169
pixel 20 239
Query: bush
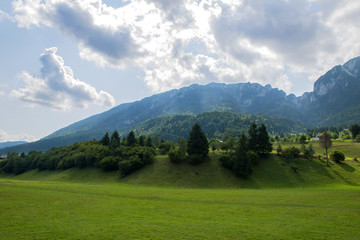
pixel 176 156
pixel 291 152
pixel 110 163
pixel 309 152
pixel 164 147
pixel 145 154
pixel 128 166
pixel 66 163
pixel 337 156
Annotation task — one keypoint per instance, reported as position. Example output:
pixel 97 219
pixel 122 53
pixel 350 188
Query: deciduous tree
pixel 325 142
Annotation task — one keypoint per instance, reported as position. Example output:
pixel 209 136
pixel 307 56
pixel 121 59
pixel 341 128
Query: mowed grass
pixel 53 210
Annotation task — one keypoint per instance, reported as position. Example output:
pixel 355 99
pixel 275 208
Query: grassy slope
pixel 273 172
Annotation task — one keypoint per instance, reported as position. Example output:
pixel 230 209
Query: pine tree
pixel 105 140
pixel 253 138
pixel 142 140
pixel 115 140
pixel 263 140
pixel 149 142
pixel 242 164
pixel 197 145
pixel 131 139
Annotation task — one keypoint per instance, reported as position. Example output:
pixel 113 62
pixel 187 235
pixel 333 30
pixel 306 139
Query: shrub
pixel 337 156
pixel 145 154
pixel 164 147
pixel 291 152
pixel 130 165
pixel 176 156
pixel 110 163
pixel 66 163
pixel 308 152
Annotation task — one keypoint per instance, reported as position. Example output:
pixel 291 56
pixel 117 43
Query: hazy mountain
pixel 334 100
pixel 11 144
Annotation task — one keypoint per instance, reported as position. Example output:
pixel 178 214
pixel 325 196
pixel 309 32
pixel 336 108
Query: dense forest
pixel 215 124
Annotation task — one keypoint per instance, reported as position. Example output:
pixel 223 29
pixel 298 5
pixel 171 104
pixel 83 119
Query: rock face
pixel 336 96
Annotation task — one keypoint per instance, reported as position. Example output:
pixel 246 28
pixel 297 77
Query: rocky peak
pixel 340 74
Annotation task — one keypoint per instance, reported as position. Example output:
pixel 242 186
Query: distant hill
pixel 11 144
pixel 335 100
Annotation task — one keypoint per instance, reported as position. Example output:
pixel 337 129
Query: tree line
pixel 127 154
pixel 110 154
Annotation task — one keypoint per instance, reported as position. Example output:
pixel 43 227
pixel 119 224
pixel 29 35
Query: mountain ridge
pixel 335 100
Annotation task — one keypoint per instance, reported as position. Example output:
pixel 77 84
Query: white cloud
pixel 3 16
pixel 180 42
pixel 57 88
pixel 5 137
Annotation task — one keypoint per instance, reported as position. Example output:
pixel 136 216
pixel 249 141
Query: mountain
pixel 336 96
pixel 11 144
pixel 335 100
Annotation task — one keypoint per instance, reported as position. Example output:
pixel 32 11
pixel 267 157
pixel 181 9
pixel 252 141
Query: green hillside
pixel 215 124
pixel 273 172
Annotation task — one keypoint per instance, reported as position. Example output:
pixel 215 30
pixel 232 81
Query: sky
pixel 64 60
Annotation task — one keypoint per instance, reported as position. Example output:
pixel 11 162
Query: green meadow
pixel 349 148
pixel 282 199
pixel 54 210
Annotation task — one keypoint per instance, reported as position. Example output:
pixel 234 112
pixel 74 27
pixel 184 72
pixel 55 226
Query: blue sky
pixel 62 61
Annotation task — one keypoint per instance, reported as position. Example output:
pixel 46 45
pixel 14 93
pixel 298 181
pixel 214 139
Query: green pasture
pixel 350 149
pixel 54 210
pixel 282 199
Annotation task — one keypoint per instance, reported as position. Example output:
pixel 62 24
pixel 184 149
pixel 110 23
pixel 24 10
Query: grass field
pixel 350 149
pixel 50 210
pixel 283 199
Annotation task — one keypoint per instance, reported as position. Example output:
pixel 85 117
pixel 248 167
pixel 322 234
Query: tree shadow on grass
pixel 346 167
pixel 317 165
pixel 344 178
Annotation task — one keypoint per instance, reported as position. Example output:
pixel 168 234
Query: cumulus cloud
pixel 57 88
pixel 5 137
pixel 179 42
